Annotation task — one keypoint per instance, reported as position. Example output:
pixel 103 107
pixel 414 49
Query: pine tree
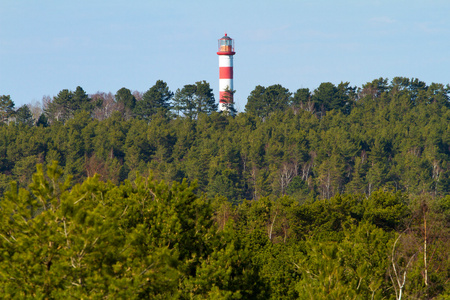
pixel 194 99
pixel 157 98
pixel 24 116
pixel 6 108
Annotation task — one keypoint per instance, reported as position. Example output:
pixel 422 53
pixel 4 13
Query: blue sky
pixel 47 46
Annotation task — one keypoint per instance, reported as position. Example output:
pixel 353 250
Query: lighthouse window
pixel 225 45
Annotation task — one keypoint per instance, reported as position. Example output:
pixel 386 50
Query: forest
pixel 340 192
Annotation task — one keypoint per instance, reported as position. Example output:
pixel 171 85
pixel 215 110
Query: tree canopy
pixel 329 193
pixel 263 101
pixel 155 99
pixel 6 108
pixel 194 99
pixel 150 239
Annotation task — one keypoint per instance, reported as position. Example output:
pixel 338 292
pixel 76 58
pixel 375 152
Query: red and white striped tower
pixel 226 52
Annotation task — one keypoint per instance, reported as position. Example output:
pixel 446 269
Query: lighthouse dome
pixel 226 37
pixel 226 46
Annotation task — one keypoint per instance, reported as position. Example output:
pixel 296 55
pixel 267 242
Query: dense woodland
pixel 337 193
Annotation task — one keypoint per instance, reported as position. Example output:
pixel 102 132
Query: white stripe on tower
pixel 225 84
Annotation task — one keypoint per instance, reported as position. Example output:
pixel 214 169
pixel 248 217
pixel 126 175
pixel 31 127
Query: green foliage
pixel 194 99
pixel 287 200
pixel 263 101
pixel 24 116
pixel 6 108
pixel 328 97
pixel 148 239
pixel 386 210
pixel 67 103
pixel 141 239
pixel 125 97
pixel 348 269
pixel 394 137
pixel 228 272
pixel 155 99
pixel 302 99
pixel 42 121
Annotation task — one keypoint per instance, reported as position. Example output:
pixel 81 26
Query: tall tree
pixel 42 121
pixel 58 109
pixel 439 93
pixel 67 103
pixel 302 99
pixel 255 102
pixel 125 97
pixel 155 99
pixel 375 88
pixel 81 101
pixel 194 99
pixel 263 101
pixel 24 116
pixel 323 96
pixel 6 108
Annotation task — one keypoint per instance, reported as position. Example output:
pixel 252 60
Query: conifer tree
pixel 6 108
pixel 194 99
pixel 157 98
pixel 24 116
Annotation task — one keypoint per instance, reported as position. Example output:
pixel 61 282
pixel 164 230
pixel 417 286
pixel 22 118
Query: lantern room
pixel 226 46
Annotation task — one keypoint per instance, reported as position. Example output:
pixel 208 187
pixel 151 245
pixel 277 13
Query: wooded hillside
pixel 337 193
pixel 308 145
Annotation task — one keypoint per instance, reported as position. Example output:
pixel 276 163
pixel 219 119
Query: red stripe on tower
pixel 226 72
pixel 226 52
pixel 226 95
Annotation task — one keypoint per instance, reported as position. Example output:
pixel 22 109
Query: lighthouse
pixel 226 52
